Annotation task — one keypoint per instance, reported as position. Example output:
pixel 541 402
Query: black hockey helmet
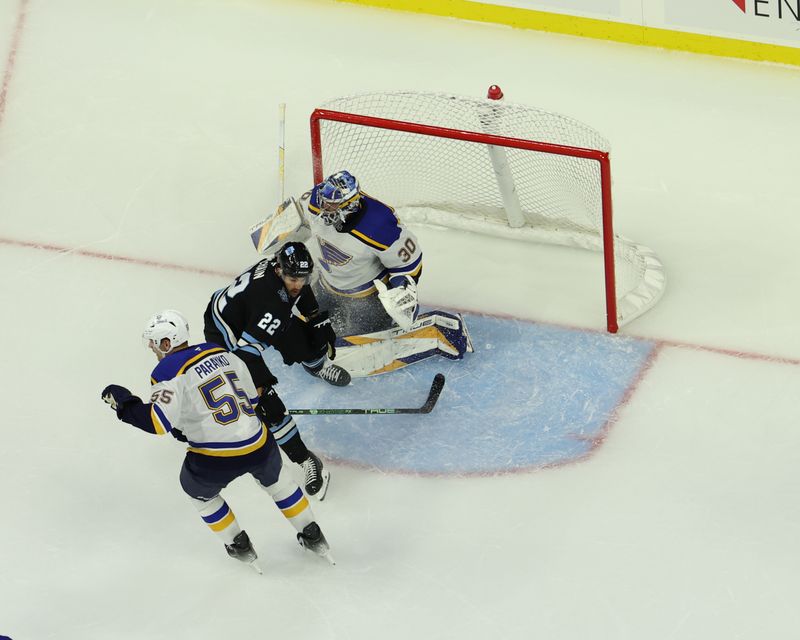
pixel 295 260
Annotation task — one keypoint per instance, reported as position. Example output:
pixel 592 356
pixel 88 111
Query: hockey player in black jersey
pixel 272 305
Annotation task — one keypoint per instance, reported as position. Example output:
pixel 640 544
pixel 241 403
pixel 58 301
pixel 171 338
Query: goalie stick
pixel 433 395
pixel 287 222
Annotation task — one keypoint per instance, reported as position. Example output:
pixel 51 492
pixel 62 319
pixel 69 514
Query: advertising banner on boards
pixel 767 21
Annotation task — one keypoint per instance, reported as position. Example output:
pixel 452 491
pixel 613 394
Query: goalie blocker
pixel 435 333
pixel 287 224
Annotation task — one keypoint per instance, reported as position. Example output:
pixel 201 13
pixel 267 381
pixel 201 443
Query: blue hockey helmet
pixel 339 198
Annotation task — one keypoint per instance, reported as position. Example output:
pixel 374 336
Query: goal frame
pixel 602 157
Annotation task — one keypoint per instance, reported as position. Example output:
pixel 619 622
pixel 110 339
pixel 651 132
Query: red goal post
pixel 492 167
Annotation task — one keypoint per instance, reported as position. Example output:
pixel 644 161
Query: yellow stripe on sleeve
pixel 369 240
pixel 159 426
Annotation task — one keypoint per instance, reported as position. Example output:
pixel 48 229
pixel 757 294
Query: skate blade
pixel 319 496
pixel 255 566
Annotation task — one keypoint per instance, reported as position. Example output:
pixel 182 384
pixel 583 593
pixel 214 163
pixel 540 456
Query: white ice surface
pixel 147 130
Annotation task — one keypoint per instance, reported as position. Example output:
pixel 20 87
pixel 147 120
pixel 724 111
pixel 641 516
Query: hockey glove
pixel 269 380
pixel 270 407
pixel 117 396
pixel 323 333
pixel 400 302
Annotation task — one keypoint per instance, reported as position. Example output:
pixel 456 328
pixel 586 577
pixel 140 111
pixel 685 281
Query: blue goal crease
pixel 531 396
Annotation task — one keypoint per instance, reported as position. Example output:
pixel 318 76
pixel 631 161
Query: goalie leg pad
pixel 386 355
pixel 451 325
pixel 434 333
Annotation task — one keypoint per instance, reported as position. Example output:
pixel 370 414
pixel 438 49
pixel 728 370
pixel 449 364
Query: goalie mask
pixel 295 261
pixel 167 324
pixel 339 198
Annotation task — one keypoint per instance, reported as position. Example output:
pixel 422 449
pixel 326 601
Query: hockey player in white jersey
pixel 204 395
pixel 371 263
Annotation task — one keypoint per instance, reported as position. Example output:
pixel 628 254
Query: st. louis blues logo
pixel 332 255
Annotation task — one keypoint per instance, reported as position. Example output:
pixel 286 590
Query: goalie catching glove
pixel 400 302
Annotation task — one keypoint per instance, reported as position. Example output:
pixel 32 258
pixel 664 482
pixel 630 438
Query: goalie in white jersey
pixel 370 261
pixel 203 395
pixel 370 264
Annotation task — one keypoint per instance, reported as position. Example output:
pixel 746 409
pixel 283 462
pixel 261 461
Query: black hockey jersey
pixel 255 309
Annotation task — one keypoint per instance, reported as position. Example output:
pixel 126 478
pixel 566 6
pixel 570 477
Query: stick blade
pixel 435 392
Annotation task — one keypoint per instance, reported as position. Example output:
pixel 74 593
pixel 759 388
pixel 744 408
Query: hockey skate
pixel 313 539
pixel 330 373
pixel 242 550
pixel 317 477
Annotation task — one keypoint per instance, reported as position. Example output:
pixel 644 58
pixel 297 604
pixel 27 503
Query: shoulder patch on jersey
pixel 378 227
pixel 313 201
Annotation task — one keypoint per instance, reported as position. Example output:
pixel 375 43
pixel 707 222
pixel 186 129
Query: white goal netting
pixel 491 167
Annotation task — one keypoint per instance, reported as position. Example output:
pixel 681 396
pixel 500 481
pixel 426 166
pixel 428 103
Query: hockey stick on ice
pixel 433 395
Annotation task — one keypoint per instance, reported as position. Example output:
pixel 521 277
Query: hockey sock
pixel 289 498
pixel 218 516
pixel 313 366
pixel 288 438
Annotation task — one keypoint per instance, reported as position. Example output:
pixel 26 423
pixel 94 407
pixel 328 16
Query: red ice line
pixel 22 12
pixel 659 344
pixel 88 253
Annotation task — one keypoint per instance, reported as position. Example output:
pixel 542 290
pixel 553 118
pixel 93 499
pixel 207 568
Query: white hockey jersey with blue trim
pixel 377 246
pixel 207 393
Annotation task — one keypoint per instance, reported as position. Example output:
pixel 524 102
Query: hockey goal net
pixel 492 167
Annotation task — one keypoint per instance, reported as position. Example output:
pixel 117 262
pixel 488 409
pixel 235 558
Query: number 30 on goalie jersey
pixel 376 246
